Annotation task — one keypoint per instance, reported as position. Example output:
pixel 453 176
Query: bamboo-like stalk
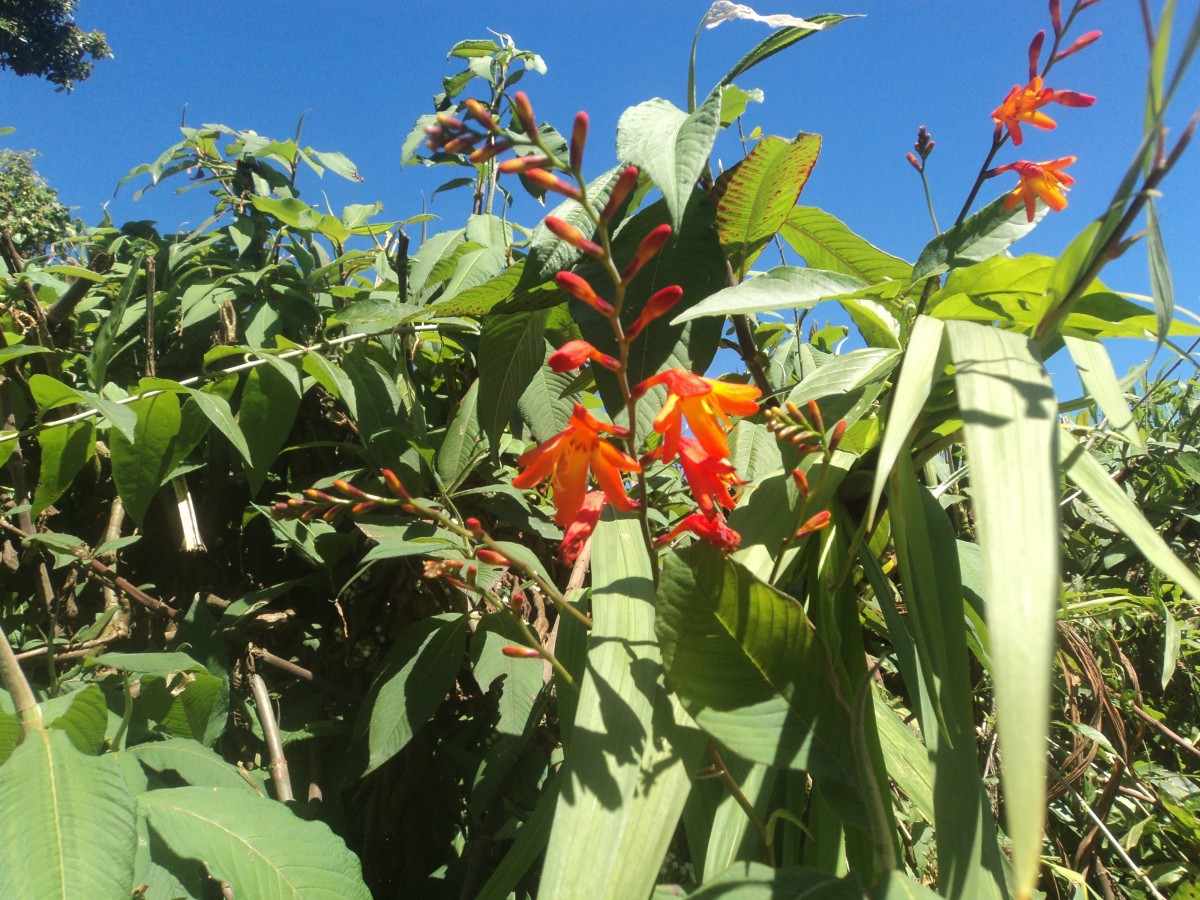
pixel 266 718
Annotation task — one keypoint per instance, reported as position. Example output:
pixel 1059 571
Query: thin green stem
pixel 722 773
pixel 929 202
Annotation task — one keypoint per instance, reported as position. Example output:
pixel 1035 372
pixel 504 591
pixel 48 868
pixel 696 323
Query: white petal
pixel 724 11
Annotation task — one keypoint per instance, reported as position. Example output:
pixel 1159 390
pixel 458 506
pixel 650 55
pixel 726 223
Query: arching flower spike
pixel 707 406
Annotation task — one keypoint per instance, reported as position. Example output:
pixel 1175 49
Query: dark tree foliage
pixel 39 37
pixel 30 211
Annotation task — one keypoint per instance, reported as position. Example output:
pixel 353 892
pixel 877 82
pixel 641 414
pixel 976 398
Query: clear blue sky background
pixel 365 70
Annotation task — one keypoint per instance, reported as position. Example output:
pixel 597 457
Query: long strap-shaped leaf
pixel 1008 412
pixel 626 774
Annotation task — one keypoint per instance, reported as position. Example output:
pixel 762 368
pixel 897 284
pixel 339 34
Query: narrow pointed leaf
pixel 986 234
pixel 825 242
pixel 784 287
pixel 1100 380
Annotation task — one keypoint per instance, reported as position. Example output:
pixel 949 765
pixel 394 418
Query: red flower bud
pixel 816 523
pixel 449 122
pixel 647 250
pixel 578 288
pixel 516 601
pixel 574 354
pixel 660 303
pixel 801 483
pixel 566 232
pixel 914 162
pixel 475 527
pixel 460 144
pixel 319 496
pixel 1035 53
pixel 578 139
pixel 332 513
pixel 1084 40
pixel 626 182
pixel 491 557
pixel 523 110
pixel 1056 16
pixel 489 151
pixel 547 182
pixel 394 485
pixel 523 164
pixel 835 436
pixel 480 114
pixel 814 416
pixel 347 488
pixel 365 507
pixel 514 652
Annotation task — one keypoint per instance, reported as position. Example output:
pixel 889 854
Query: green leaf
pixel 1009 412
pixel 750 669
pixel 549 254
pixel 265 416
pixel 826 243
pixel 669 146
pixel 543 406
pixel 298 214
pixel 897 885
pixel 64 451
pixel 75 834
pixel 1090 476
pixel 734 102
pixel 756 881
pixel 260 847
pixel 191 761
pixel 381 422
pixel 140 466
pixel 103 345
pixel 625 779
pixel 418 672
pixel 511 350
pixel 462 443
pixel 519 680
pixel 150 663
pixel 783 287
pixel 1162 285
pixel 755 197
pixel 82 716
pixel 216 410
pixel 530 841
pixel 779 41
pixel 986 234
pixel 1100 380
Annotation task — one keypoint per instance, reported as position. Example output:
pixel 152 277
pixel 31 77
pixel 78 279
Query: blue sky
pixel 364 71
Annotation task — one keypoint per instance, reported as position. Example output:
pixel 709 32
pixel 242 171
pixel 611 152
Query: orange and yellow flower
pixel 707 406
pixel 566 458
pixel 709 477
pixel 1046 180
pixel 1023 106
pixel 715 530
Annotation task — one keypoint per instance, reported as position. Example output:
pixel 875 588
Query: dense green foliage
pixel 40 38
pixel 30 211
pixel 276 620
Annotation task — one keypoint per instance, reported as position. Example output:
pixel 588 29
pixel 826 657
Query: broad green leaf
pixel 381 421
pixel 752 672
pixel 376 314
pixel 968 856
pixel 70 826
pixel 543 406
pixel 670 146
pixel 1008 411
pixel 82 716
pixel 298 214
pixel 878 327
pixel 897 885
pixel 755 197
pixel 923 360
pixel 826 242
pixel 11 353
pixel 140 466
pixel 10 729
pixel 418 672
pixel 518 681
pixel 336 162
pixel 511 350
pixel 462 443
pixel 509 292
pixel 784 287
pixel 191 761
pixel 216 410
pixel 64 451
pixel 192 705
pixel 260 847
pixel 1100 380
pixel 987 233
pixel 429 257
pixel 150 663
pixel 907 759
pixel 628 764
pixel 530 841
pixel 473 269
pixel 1088 475
pixel 756 881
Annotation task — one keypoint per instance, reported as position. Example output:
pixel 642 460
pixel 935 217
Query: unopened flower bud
pixel 816 523
pixel 347 488
pixel 489 151
pixel 516 601
pixel 547 182
pixel 1056 16
pixel 470 574
pixel 814 416
pixel 449 122
pixel 1084 40
pixel 914 162
pixel 578 139
pixel 646 251
pixel 474 526
pixel 460 144
pixel 319 496
pixel 578 288
pixel 626 182
pixel 523 164
pixel 523 110
pixel 1035 53
pixel 491 557
pixel 365 507
pixel 394 485
pixel 801 483
pixel 332 513
pixel 483 116
pixel 514 652
pixel 567 232
pixel 660 303
pixel 835 436
pixel 574 354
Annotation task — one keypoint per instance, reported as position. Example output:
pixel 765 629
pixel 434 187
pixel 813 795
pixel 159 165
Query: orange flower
pixel 715 530
pixel 566 458
pixel 580 530
pixel 1046 180
pixel 708 476
pixel 1023 106
pixel 707 404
